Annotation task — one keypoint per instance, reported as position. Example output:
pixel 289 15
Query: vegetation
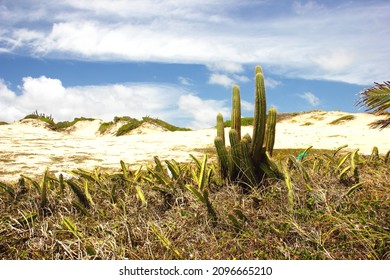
pixel 377 100
pixel 342 119
pixel 248 160
pixel 66 124
pixel 42 117
pixel 164 124
pixel 129 126
pixel 3 123
pixel 252 202
pixel 104 127
pixel 334 205
pixel 130 123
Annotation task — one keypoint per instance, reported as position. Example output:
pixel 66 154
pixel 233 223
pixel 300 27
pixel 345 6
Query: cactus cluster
pixel 249 158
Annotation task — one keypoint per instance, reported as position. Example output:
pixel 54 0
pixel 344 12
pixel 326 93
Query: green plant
pixel 66 124
pixel 42 117
pixel 342 119
pixel 377 100
pixel 248 159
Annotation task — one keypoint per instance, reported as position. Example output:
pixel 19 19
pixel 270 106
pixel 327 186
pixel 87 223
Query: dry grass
pixel 102 215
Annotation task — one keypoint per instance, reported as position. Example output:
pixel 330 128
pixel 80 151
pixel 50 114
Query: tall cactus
pixel 246 160
pixel 259 120
pixel 236 110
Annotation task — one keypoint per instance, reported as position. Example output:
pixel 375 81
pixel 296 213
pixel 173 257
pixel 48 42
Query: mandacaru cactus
pixel 249 158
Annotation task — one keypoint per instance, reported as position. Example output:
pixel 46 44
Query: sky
pixel 178 60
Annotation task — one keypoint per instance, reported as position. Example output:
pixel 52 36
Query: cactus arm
pixel 220 128
pixel 235 151
pixel 223 157
pixel 248 171
pixel 236 110
pixel 259 120
pixel 269 140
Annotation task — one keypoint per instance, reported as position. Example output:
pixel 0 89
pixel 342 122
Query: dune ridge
pixel 30 146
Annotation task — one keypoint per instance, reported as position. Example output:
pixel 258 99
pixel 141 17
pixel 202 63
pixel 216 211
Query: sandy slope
pixel 29 147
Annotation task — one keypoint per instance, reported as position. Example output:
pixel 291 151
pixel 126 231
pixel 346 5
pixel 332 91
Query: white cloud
pixel 185 81
pixel 226 66
pixel 49 96
pixel 306 40
pixel 221 79
pixel 271 83
pixel 226 81
pixel 247 106
pixel 203 112
pixel 335 60
pixel 308 7
pixel 310 98
pixel 241 78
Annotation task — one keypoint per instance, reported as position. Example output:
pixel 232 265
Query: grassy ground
pixel 329 212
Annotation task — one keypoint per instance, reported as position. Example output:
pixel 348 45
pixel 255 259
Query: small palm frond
pixel 381 124
pixel 376 98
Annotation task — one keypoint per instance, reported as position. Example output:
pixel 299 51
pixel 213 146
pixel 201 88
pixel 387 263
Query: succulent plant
pixel 248 159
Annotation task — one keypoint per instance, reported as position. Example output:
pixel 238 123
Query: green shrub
pixel 133 124
pixel 104 126
pixel 342 119
pixel 164 124
pixel 66 124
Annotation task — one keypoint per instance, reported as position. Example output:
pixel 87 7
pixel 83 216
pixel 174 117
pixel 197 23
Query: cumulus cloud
pixel 226 66
pixel 221 79
pixel 203 112
pixel 49 96
pixel 310 98
pixel 305 40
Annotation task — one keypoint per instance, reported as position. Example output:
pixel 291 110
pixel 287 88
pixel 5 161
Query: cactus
pixel 236 110
pixel 248 159
pixel 220 128
pixel 270 131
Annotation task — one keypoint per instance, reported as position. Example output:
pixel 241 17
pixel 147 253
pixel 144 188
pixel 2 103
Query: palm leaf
pixel 377 100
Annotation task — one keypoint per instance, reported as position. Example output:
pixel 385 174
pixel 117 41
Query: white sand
pixel 29 147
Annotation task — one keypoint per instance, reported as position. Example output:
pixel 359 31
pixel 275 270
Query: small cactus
pixel 248 159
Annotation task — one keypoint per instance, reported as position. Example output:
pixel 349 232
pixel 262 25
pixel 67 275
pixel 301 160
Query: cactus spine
pixel 248 158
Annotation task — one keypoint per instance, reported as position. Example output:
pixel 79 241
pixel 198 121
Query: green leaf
pixel 197 194
pixel 8 189
pixel 167 244
pixel 70 225
pixel 342 160
pixel 354 188
pixel 197 162
pixel 202 180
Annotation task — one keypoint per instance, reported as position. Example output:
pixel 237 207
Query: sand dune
pixel 29 147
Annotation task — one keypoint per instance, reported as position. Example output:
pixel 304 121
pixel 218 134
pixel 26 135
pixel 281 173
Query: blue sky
pixel 178 60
